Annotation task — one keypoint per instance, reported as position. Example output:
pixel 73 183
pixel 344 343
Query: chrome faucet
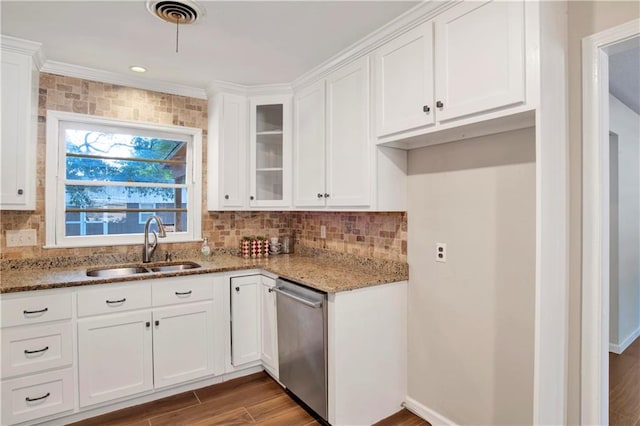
pixel 147 250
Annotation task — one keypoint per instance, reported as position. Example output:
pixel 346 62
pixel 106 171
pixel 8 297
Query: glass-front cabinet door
pixel 270 148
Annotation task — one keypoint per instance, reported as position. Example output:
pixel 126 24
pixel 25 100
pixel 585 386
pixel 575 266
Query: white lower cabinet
pixel 115 355
pixel 269 344
pixel 39 395
pixel 245 319
pixel 37 356
pixel 127 353
pixel 182 343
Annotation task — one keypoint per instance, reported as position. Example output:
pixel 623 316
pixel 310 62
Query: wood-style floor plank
pixel 138 413
pixel 403 418
pixel 255 400
pixel 624 386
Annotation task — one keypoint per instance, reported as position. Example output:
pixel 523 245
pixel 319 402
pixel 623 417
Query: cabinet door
pixel 349 149
pixel 245 319
pixel 480 60
pixel 233 153
pixel 182 343
pixel 309 146
pixel 404 82
pixel 269 353
pixel 270 152
pixel 114 356
pixel 19 120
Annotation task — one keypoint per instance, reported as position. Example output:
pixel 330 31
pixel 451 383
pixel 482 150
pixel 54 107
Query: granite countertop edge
pixel 325 273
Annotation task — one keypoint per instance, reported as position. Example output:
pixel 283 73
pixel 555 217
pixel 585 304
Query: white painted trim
pixel 24 47
pixel 54 217
pixel 618 348
pixel 403 23
pixel 134 81
pixel 595 221
pixel 432 416
pixel 552 219
pixel 275 89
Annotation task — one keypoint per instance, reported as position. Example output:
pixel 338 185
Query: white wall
pixel 471 320
pixel 625 228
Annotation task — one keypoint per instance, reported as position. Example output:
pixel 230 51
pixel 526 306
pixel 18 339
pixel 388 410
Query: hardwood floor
pixel 254 399
pixel 624 387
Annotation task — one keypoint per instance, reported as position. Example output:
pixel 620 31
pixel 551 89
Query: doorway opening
pixel 611 225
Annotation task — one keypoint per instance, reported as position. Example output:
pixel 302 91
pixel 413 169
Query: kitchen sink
pixel 176 266
pixel 117 271
pixel 123 271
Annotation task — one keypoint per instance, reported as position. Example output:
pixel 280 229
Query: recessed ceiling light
pixel 137 68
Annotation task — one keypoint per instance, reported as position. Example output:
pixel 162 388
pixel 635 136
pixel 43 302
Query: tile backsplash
pixel 378 235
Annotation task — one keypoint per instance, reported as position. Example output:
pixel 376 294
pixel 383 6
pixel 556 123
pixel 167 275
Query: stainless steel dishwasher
pixel 302 343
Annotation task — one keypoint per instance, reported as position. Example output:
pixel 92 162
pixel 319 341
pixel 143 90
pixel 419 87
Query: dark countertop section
pixel 331 273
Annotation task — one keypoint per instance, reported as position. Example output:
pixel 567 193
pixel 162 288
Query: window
pixel 106 177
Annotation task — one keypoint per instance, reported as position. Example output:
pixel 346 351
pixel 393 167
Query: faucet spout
pixel 148 249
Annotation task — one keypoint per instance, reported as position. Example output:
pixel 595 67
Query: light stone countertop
pixel 331 273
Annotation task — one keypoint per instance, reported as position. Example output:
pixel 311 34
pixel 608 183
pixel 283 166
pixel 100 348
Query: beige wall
pixel 471 320
pixel 585 18
pixel 380 235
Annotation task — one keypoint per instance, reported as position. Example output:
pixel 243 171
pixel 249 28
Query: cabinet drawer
pixel 111 298
pixel 35 309
pixel 31 349
pixel 171 291
pixel 35 396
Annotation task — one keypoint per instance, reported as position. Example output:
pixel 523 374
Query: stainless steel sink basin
pixel 176 266
pixel 117 271
pixel 123 271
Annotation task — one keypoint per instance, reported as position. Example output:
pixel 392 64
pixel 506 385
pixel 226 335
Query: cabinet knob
pixel 20 191
pixel 270 289
pixel 439 104
pixel 251 197
pixel 157 323
pixel 319 195
pixel 147 324
pixel 326 195
pixel 237 289
pixel 426 108
pixel 226 197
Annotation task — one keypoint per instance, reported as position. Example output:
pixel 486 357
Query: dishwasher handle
pixel 302 300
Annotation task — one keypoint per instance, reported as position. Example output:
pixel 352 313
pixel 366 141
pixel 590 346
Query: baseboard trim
pixel 433 417
pixel 619 348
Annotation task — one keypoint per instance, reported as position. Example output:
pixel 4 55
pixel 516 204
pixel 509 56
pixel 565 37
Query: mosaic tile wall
pixel 381 235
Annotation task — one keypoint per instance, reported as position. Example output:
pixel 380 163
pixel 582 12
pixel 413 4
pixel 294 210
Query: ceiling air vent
pixel 175 12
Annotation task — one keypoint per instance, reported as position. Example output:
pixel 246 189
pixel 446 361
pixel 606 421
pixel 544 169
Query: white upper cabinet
pixel 480 58
pixel 227 152
pixel 404 82
pixel 270 152
pixel 19 127
pixel 309 146
pixel 349 149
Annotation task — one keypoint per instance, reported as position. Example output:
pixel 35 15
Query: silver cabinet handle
pixel 309 303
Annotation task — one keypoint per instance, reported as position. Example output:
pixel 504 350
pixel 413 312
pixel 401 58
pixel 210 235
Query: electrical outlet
pixel 323 231
pixel 22 237
pixel 441 252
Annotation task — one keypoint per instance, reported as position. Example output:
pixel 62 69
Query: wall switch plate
pixel 22 237
pixel 323 231
pixel 441 252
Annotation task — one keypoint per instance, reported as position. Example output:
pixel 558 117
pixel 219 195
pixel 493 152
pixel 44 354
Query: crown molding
pixel 86 73
pixel 24 47
pixel 408 20
pixel 219 86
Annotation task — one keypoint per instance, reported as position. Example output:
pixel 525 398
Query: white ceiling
pixel 624 77
pixel 245 42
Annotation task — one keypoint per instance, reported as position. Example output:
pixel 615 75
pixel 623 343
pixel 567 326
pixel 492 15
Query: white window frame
pixel 55 182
